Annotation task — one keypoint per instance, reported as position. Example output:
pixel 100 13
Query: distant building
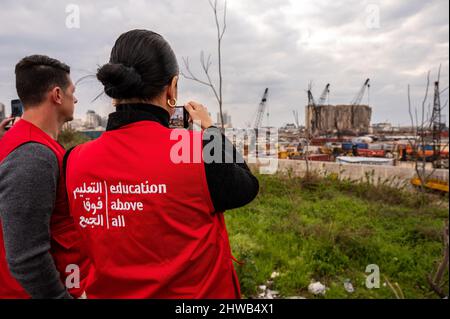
pixel 104 121
pixel 382 127
pixel 290 126
pixel 93 120
pixel 2 111
pixel 338 119
pixel 76 124
pixel 93 127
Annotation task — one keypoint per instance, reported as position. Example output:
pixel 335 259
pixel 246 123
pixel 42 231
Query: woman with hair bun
pixel 153 224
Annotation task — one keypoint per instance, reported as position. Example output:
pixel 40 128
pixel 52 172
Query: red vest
pixel 149 224
pixel 65 239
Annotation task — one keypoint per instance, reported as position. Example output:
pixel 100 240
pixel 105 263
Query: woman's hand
pixel 199 114
pixel 3 125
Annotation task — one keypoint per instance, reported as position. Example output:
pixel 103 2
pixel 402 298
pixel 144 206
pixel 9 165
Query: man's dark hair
pixel 38 74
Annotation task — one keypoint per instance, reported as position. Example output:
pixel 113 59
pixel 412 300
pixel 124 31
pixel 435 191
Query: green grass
pixel 329 231
pixel 70 138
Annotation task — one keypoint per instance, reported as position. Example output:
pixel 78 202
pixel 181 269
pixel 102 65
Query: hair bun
pixel 120 81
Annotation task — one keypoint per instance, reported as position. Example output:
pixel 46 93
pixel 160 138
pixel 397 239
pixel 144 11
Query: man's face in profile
pixel 69 101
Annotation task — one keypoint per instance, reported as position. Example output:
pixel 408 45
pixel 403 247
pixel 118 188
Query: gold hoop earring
pixel 172 105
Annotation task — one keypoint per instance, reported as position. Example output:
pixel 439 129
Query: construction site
pixel 353 119
pixel 343 134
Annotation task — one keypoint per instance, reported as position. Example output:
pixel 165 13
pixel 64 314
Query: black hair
pixel 36 75
pixel 142 63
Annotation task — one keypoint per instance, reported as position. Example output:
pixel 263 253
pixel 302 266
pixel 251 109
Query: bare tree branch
pixel 444 105
pixel 224 28
pixel 410 109
pixel 190 75
pixel 425 99
pixel 206 64
pixel 418 144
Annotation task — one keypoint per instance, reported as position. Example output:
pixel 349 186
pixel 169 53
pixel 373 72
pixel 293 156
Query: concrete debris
pixel 317 288
pixel 348 286
pixel 268 294
pixel 271 294
pixel 266 291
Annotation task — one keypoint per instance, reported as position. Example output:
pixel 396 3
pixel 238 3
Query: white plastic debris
pixel 275 275
pixel 273 292
pixel 265 291
pixel 268 296
pixel 348 286
pixel 317 288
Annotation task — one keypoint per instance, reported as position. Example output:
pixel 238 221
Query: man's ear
pixel 56 95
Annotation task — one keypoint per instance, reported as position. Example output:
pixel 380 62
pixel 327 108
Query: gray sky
pixel 280 44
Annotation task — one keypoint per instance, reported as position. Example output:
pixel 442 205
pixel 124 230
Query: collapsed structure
pixel 338 119
pixel 324 119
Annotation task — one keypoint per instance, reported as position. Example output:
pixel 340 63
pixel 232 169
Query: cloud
pixel 280 44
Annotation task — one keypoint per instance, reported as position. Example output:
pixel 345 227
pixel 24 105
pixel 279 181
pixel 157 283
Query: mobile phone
pixel 16 108
pixel 180 119
pixel 16 111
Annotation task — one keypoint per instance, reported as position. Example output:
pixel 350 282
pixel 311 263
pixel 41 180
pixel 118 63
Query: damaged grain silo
pixel 338 119
pixel 351 119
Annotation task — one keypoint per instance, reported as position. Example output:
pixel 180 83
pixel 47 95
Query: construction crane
pixel 325 95
pixel 311 100
pixel 296 120
pixel 311 122
pixel 358 98
pixel 261 110
pixel 437 126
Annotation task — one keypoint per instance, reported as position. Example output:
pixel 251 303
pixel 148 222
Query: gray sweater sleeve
pixel 28 185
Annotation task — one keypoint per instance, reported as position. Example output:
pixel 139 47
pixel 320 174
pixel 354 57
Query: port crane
pixel 261 110
pixel 311 100
pixel 436 121
pixel 324 98
pixel 358 98
pixel 296 119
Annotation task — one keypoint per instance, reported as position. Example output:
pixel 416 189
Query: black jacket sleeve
pixel 231 183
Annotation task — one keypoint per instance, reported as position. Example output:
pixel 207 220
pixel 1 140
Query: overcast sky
pixel 279 44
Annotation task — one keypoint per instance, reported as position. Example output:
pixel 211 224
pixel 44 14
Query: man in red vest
pixel 40 251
